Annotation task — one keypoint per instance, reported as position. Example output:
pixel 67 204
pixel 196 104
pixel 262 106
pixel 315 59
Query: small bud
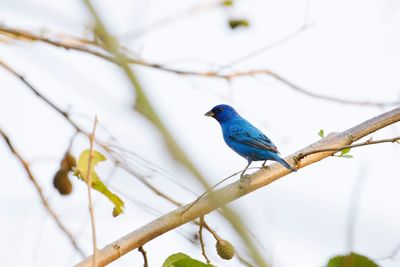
pixel 62 183
pixel 225 249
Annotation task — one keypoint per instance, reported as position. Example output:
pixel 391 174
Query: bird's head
pixel 221 113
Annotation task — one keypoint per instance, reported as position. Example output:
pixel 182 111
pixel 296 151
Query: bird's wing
pixel 251 136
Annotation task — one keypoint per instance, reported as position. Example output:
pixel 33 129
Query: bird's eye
pixel 220 109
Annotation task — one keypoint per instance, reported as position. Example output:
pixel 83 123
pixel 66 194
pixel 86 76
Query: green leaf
pixel 118 203
pixel 345 151
pixel 96 183
pixel 351 260
pixel 227 3
pixel 183 260
pixel 235 23
pixel 83 164
pixel 174 258
pixel 321 133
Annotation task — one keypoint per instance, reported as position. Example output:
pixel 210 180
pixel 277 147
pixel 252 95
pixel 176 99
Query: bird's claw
pixel 266 167
pixel 244 181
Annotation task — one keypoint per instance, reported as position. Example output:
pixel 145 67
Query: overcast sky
pixel 349 50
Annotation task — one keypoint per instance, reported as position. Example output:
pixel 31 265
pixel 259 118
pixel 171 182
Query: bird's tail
pixel 285 164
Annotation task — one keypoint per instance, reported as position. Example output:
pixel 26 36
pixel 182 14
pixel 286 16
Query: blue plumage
pixel 244 138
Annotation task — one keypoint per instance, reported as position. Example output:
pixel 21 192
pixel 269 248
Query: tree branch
pixel 233 191
pixel 144 106
pixel 39 189
pixel 86 46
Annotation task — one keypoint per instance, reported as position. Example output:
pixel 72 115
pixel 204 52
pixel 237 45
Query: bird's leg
pixel 265 166
pixel 243 177
pixel 242 174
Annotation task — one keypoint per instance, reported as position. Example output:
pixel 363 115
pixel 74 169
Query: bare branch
pixel 203 250
pixel 336 149
pixel 215 185
pixel 233 191
pixel 173 18
pixel 94 49
pixel 115 157
pixel 393 254
pixel 89 185
pixel 39 189
pixel 72 43
pixel 331 98
pixel 269 46
pixel 37 93
pixel 144 254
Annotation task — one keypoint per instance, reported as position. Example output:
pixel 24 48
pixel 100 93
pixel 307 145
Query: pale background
pixel 351 50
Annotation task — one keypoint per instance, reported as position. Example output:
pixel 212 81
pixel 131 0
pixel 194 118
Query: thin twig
pixel 243 260
pixel 154 189
pixel 269 46
pixel 92 137
pixel 339 100
pixel 144 254
pixel 211 231
pixel 125 153
pixel 203 250
pixel 80 130
pixel 72 43
pixel 336 149
pixel 81 45
pixel 39 189
pixel 37 93
pixel 71 141
pixel 214 186
pixel 173 18
pixel 393 254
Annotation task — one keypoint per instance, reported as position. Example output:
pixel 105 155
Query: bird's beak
pixel 210 114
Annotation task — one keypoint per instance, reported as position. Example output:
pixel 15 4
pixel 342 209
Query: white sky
pixel 351 51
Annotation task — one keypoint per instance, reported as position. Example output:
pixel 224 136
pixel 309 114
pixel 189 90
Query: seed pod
pixel 68 162
pixel 225 249
pixel 62 183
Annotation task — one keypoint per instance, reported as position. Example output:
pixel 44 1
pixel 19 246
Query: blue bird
pixel 245 139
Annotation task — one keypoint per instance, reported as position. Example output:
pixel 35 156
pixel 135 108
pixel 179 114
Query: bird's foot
pixel 265 167
pixel 244 181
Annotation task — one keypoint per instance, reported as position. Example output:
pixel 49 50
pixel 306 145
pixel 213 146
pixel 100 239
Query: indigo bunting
pixel 245 139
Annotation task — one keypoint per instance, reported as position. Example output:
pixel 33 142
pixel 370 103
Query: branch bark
pixel 234 191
